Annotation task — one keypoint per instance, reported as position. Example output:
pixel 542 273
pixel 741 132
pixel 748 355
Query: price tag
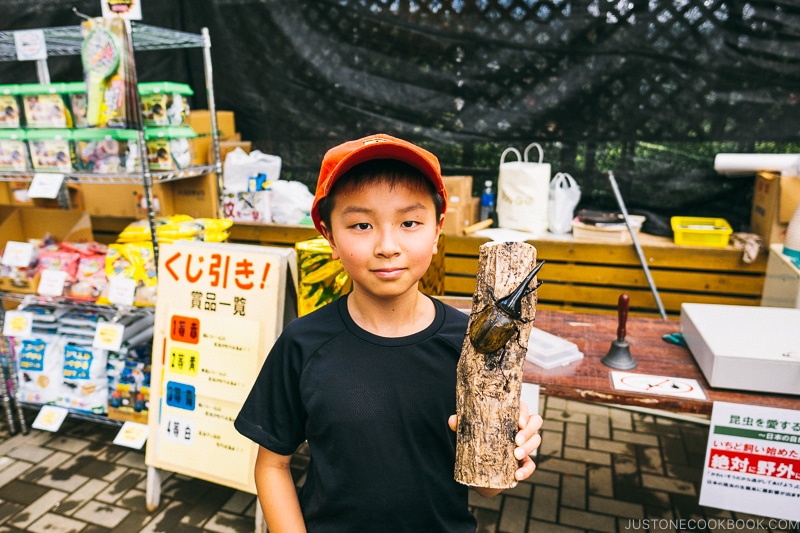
pixel 108 336
pixel 18 324
pixel 45 185
pixel 18 254
pixel 30 45
pixel 50 418
pixel 132 434
pixel 121 291
pixel 51 282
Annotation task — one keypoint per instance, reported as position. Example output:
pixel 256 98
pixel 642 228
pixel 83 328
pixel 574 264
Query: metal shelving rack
pixel 67 41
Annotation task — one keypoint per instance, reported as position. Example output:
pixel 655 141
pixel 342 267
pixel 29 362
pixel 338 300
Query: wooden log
pixel 489 384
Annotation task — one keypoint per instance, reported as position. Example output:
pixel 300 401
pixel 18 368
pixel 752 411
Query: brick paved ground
pixel 599 469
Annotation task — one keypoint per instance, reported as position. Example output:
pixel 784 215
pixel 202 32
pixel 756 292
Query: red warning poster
pixel 753 461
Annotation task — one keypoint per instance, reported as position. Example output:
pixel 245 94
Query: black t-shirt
pixel 374 411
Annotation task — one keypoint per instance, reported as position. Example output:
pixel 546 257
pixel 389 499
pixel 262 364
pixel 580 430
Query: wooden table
pixel 590 380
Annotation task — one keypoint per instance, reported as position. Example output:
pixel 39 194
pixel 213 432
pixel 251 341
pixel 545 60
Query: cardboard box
pixel 5 193
pixel 228 146
pixel 20 285
pixel 202 148
pixel 197 197
pixel 459 188
pixel 460 204
pixel 775 199
pixel 457 217
pixel 20 224
pixel 125 200
pixel 16 193
pixel 200 121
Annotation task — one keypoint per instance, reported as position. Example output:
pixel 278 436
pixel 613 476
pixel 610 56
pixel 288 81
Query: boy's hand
pixel 527 440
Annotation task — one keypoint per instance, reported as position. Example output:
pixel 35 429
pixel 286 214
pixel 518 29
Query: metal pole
pixel 136 120
pixel 42 72
pixel 212 109
pixel 636 244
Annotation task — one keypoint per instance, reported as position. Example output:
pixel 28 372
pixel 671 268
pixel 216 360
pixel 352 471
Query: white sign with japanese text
pixel 753 461
pixel 220 308
pixel 31 45
pixel 127 9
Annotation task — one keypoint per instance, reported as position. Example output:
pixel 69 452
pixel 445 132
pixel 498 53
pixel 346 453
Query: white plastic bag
pixel 290 201
pixel 564 197
pixel 522 192
pixel 240 168
pixel 244 178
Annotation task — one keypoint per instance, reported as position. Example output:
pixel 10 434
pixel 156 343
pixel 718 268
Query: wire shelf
pixel 133 178
pixel 67 40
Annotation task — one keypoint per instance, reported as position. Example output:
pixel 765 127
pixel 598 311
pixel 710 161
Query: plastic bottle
pixel 487 201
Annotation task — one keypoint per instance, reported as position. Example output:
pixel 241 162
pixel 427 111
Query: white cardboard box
pixel 745 347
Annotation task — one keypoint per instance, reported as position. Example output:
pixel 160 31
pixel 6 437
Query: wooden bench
pixel 589 276
pixel 579 276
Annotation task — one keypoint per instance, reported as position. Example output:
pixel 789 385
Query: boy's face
pixel 385 235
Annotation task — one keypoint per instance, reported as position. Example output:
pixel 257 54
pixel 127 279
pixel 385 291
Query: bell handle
pixel 622 316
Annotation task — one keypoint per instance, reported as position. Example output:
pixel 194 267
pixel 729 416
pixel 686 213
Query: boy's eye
pixel 362 226
pixel 410 224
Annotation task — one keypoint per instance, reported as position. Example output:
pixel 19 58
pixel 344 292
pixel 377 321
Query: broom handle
pixel 636 244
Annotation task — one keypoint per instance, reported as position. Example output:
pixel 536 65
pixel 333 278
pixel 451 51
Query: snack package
pixel 320 279
pixel 132 260
pixel 84 383
pixel 168 147
pixel 51 150
pixel 53 258
pixel 39 360
pixel 14 150
pixel 9 107
pixel 78 324
pixel 75 92
pixel 102 150
pixel 128 387
pixel 106 61
pixel 90 278
pixel 45 105
pixel 164 103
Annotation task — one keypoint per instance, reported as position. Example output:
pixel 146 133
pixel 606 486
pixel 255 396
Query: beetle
pixel 495 324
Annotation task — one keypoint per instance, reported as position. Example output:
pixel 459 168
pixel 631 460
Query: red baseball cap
pixel 342 158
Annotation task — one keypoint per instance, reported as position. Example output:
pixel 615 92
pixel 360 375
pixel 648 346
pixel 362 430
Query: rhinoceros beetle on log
pixel 495 324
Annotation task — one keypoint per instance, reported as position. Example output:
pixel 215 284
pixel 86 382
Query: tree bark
pixel 489 385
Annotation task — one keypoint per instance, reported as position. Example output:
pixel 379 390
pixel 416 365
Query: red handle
pixel 622 315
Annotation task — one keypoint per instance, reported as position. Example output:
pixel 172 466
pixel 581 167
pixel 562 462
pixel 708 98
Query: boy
pixel 369 380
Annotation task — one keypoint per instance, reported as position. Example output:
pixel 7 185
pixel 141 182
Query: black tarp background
pixel 651 89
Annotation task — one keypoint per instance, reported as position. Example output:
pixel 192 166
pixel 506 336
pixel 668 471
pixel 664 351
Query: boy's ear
pixel 438 234
pixel 329 237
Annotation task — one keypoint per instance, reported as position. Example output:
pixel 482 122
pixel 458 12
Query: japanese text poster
pixel 753 461
pixel 220 308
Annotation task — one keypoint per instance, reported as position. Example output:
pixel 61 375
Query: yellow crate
pixel 701 231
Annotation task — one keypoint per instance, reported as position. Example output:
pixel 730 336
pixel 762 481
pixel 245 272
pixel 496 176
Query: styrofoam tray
pixel 549 351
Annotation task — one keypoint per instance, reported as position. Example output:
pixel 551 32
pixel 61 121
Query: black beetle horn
pixel 512 304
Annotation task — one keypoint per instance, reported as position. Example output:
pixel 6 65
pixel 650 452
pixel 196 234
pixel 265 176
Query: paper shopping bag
pixel 522 192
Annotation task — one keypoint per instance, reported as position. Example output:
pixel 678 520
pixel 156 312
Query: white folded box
pixel 745 347
pixel 549 351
